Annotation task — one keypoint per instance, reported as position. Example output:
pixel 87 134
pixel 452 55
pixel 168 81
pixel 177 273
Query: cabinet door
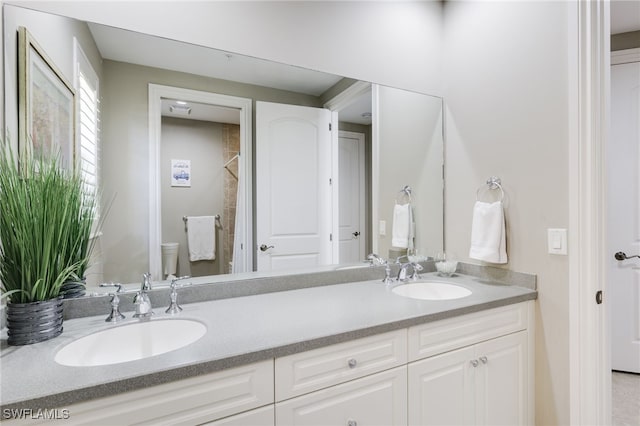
pixel 379 399
pixel 502 381
pixel 441 389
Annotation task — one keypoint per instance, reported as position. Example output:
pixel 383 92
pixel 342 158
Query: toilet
pixel 169 259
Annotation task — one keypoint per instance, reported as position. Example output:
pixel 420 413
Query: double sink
pixel 155 337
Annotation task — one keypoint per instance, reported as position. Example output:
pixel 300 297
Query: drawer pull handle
pixel 352 423
pixel 352 364
pixel 484 359
pixel 474 362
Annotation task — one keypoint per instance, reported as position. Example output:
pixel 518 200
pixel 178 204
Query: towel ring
pixel 492 183
pixel 405 192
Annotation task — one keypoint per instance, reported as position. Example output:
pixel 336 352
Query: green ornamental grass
pixel 46 219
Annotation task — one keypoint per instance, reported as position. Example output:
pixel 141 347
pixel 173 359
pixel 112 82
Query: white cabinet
pixel 487 383
pixel 264 416
pixel 473 369
pixel 378 399
pixel 362 382
pixel 441 389
pixel 189 401
pixel 502 381
pixel 320 368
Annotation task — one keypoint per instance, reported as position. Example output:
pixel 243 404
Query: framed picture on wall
pixel 180 172
pixel 46 104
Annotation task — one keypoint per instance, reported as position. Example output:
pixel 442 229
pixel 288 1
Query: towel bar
pixel 216 217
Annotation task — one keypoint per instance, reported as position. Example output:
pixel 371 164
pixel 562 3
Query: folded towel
pixel 403 227
pixel 488 239
pixel 201 238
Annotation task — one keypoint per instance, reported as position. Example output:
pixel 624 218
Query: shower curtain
pixel 238 258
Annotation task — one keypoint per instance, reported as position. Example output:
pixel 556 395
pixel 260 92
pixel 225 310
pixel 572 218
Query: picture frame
pixel 181 173
pixel 46 104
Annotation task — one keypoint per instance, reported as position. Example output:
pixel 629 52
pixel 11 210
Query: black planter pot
pixel 73 289
pixel 34 322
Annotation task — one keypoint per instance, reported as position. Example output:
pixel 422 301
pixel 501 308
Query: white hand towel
pixel 201 237
pixel 488 239
pixel 402 231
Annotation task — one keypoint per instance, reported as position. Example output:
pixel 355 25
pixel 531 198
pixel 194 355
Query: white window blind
pixel 88 116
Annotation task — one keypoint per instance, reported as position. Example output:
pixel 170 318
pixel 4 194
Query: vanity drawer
pixel 378 399
pixel 437 337
pixel 190 401
pixel 319 368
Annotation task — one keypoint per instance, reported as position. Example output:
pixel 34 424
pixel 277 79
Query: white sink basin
pixel 130 342
pixel 431 290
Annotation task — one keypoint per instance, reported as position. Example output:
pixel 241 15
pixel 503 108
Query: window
pixel 88 121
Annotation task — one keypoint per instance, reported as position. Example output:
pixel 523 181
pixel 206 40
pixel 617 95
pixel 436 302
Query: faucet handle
pixel 174 308
pixel 374 259
pixel 115 314
pixel 416 269
pixel 146 281
pixel 403 256
pixel 174 282
pixel 112 284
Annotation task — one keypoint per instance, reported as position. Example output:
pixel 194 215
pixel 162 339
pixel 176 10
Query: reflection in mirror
pixel 387 138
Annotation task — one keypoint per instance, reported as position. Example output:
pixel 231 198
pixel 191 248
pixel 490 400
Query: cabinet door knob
pixel 352 423
pixel 474 362
pixel 484 359
pixel 352 364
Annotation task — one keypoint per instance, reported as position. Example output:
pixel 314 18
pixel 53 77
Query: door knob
pixel 355 234
pixel 621 256
pixel 265 247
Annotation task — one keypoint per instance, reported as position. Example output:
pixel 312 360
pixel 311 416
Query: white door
pixel 293 188
pixel 351 196
pixel 624 216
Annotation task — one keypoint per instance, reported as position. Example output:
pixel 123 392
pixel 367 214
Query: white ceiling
pixel 141 49
pixel 625 16
pixel 127 46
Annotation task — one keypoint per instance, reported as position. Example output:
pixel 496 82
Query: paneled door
pixel 293 186
pixel 351 196
pixel 624 217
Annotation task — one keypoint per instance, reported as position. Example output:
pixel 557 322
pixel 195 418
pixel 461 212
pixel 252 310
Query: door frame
pixel 156 93
pixel 362 180
pixel 335 104
pixel 589 88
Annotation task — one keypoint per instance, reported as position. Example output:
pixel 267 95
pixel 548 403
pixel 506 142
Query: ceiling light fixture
pixel 180 109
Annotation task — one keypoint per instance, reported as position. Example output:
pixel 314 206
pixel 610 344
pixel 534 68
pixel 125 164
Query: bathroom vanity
pixel 345 354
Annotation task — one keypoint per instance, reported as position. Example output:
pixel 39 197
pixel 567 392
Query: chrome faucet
pixel 374 259
pixel 402 273
pixel 141 299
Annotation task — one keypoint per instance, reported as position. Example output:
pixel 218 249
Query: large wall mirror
pixel 298 169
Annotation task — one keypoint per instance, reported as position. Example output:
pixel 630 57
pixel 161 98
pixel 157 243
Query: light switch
pixel 382 228
pixel 557 241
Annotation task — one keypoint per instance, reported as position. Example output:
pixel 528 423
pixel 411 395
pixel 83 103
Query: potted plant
pixel 44 215
pixel 82 227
